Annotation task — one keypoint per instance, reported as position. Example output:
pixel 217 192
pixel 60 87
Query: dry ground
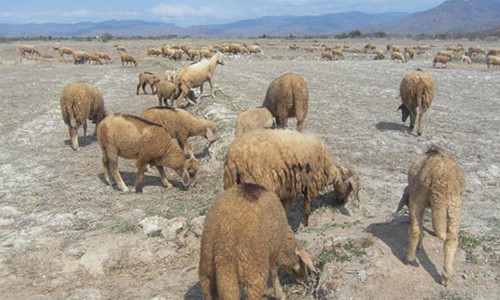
pixel 65 234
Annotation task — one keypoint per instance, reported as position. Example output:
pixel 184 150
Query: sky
pixel 190 12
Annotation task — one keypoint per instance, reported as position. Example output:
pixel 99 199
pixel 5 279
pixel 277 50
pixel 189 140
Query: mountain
pixel 452 16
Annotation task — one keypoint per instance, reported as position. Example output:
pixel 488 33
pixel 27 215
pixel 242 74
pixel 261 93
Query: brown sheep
pixel 465 59
pixel 338 53
pixel 153 51
pixel 205 53
pixel 79 102
pixel 132 137
pixel 288 96
pixel 245 238
pixel 197 74
pixel 417 91
pixel 398 56
pixel 494 51
pixel 253 118
pixel 127 58
pixel 435 181
pixel 191 54
pixel 441 59
pixel 492 61
pixel 28 49
pixel 63 50
pixel 379 54
pixel 288 163
pixel 104 57
pixel 167 90
pixel 80 57
pixel 181 125
pixel 176 55
pixel 326 55
pixel 147 78
pixel 120 48
pixel 94 59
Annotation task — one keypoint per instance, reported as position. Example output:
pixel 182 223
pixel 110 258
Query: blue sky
pixel 189 12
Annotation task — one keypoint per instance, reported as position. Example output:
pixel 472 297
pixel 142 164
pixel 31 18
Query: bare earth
pixel 65 234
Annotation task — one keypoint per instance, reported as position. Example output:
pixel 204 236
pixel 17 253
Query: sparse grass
pixel 125 227
pixel 449 295
pixel 156 233
pixel 477 251
pixel 346 252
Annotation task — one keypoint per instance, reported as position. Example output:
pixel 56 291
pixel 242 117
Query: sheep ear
pixel 305 258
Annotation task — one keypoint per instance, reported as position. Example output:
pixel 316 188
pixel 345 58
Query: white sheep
pixel 435 181
pixel 288 96
pixel 245 238
pixel 132 137
pixel 80 101
pixel 288 163
pixel 197 74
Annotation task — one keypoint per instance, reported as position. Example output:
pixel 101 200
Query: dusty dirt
pixel 65 234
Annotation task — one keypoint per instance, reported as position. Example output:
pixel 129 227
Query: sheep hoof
pixel 445 280
pixel 412 263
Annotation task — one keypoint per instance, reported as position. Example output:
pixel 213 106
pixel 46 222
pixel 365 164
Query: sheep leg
pixel 208 288
pixel 113 165
pixel 278 290
pixel 144 87
pixel 138 87
pixel 105 166
pixel 307 209
pixel 255 286
pixel 73 135
pixel 211 87
pixel 227 280
pixel 163 177
pixel 415 236
pixel 186 147
pixel 412 120
pixel 84 130
pixel 419 120
pixel 201 91
pixel 141 169
pixel 450 245
pixel 300 124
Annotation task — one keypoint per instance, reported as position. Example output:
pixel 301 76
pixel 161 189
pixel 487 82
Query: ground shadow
pixel 387 126
pixel 395 235
pixel 194 292
pixel 82 142
pixel 204 153
pixel 149 180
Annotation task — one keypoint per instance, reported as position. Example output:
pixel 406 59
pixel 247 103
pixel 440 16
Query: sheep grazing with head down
pixel 197 74
pixel 417 91
pixel 181 125
pixel 127 58
pixel 398 56
pixel 288 163
pixel 147 78
pixel 288 96
pixel 442 60
pixel 81 101
pixel 492 61
pixel 245 238
pixel 435 181
pixel 253 118
pixel 28 49
pixel 132 137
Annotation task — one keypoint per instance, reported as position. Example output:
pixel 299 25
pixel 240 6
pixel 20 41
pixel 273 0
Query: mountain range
pixel 452 16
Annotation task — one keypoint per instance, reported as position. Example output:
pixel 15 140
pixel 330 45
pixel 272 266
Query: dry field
pixel 65 234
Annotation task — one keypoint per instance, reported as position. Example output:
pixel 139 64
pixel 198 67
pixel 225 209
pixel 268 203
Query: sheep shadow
pixel 395 235
pixel 82 142
pixel 194 292
pixel 149 180
pixel 391 126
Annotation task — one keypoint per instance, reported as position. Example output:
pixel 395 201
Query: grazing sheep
pixel 181 125
pixel 494 51
pixel 326 55
pixel 338 53
pixel 254 49
pixel 475 50
pixel 127 58
pixel 435 181
pixel 441 59
pixel 417 91
pixel 288 163
pixel 28 49
pixel 379 54
pixel 245 238
pixel 104 57
pixel 197 74
pixel 288 96
pixel 253 118
pixel 492 61
pixel 176 55
pixel 131 137
pixel 94 59
pixel 80 57
pixel 167 90
pixel 147 78
pixel 153 51
pixel 465 59
pixel 120 48
pixel 191 54
pixel 449 54
pixel 63 50
pixel 79 102
pixel 205 53
pixel 398 56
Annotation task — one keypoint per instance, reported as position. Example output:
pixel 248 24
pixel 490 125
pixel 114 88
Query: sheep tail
pixel 72 117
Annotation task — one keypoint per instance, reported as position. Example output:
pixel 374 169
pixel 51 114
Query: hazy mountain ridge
pixel 454 16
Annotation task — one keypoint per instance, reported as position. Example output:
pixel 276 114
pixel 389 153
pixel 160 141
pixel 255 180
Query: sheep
pixel 120 48
pixel 254 49
pixel 197 74
pixel 465 59
pixel 80 101
pixel 181 125
pixel 441 59
pixel 94 59
pixel 176 55
pixel 104 56
pixel 131 137
pixel 338 53
pixel 147 78
pixel 417 91
pixel 475 50
pixel 288 96
pixel 449 54
pixel 80 57
pixel 492 61
pixel 127 58
pixel 288 163
pixel 379 54
pixel 493 51
pixel 28 49
pixel 326 55
pixel 435 181
pixel 205 53
pixel 63 50
pixel 191 54
pixel 153 51
pixel 253 118
pixel 398 56
pixel 245 238
pixel 170 75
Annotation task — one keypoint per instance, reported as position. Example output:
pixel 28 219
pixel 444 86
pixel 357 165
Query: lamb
pixel 127 58
pixel 197 74
pixel 132 137
pixel 492 61
pixel 288 96
pixel 417 91
pixel 435 181
pixel 81 101
pixel 398 56
pixel 147 78
pixel 288 163
pixel 167 90
pixel 245 238
pixel 253 118
pixel 181 125
pixel 441 59
pixel 465 59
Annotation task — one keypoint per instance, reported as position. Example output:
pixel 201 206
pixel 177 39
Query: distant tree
pixel 106 37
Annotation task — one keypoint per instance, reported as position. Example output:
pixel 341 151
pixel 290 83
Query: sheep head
pixel 188 171
pixel 295 259
pixel 350 183
pixel 219 59
pixel 404 112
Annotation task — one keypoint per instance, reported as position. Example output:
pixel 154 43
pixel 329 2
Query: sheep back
pixel 288 96
pixel 253 118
